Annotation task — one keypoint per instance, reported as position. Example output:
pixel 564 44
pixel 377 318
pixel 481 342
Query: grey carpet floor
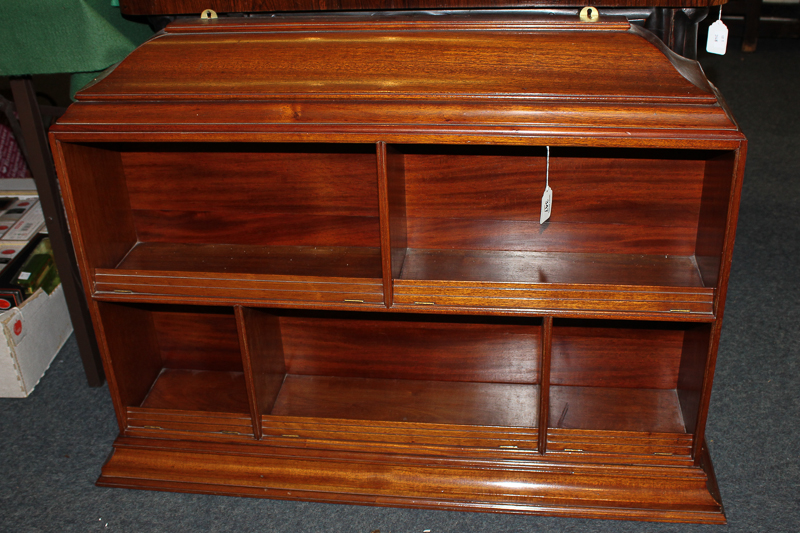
pixel 53 444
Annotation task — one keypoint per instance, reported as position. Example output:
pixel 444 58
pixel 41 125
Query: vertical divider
pixel 392 209
pixel 262 360
pixel 544 381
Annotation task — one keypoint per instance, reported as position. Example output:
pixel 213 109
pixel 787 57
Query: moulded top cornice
pixel 450 71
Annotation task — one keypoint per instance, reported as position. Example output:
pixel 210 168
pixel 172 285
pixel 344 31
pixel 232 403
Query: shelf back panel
pixel 498 350
pixel 605 201
pixel 434 402
pixel 254 194
pixel 198 341
pixel 622 354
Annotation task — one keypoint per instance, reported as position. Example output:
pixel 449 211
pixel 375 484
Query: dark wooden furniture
pixel 176 7
pixel 675 22
pixel 33 137
pixel 315 265
pixel 752 19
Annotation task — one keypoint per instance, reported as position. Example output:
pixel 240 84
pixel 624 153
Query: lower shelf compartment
pixel 199 390
pixel 436 402
pixel 616 409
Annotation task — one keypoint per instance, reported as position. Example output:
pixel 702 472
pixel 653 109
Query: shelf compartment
pixel 177 368
pixel 616 409
pixel 608 201
pixel 198 390
pixel 394 368
pixel 632 231
pixel 237 272
pixel 434 402
pixel 631 376
pixel 168 219
pixel 194 401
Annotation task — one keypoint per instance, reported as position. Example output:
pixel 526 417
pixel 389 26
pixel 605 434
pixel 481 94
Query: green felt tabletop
pixel 57 36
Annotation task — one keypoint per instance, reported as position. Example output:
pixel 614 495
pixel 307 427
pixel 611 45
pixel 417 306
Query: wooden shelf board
pixel 551 267
pixel 616 409
pixel 294 261
pixel 437 402
pixel 199 390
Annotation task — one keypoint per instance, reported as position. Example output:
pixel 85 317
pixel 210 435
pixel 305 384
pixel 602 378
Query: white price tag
pixel 717 38
pixel 23 276
pixel 547 197
pixel 547 205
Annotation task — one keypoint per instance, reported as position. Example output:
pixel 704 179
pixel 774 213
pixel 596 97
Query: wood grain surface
pixel 442 402
pixel 468 349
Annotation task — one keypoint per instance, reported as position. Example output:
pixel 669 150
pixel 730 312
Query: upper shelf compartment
pixel 393 78
pixel 399 161
pixel 629 230
pixel 233 222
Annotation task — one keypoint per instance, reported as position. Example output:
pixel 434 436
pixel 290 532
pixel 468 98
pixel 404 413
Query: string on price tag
pixel 717 36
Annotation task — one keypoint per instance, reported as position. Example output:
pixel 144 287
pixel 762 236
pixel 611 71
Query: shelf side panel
pixel 129 336
pixel 398 220
pixel 544 381
pixel 97 197
pixel 694 360
pixel 714 215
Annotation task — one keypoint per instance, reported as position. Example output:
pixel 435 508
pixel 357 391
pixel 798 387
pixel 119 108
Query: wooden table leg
pixel 40 161
pixel 752 17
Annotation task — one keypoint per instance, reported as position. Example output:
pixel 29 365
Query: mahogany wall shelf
pixel 315 266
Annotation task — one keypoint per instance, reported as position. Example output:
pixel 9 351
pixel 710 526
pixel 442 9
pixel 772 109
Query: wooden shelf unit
pixel 324 277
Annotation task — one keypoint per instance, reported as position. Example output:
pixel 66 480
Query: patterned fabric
pixel 12 164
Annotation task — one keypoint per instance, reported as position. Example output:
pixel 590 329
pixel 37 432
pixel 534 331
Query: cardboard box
pixel 32 334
